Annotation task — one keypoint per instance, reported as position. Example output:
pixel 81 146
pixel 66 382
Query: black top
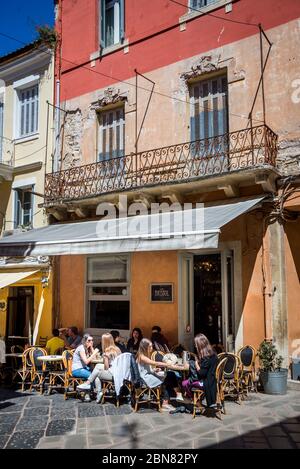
pixel 207 374
pixel 121 346
pixel 131 346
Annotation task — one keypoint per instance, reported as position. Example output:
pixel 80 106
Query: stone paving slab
pixel 29 420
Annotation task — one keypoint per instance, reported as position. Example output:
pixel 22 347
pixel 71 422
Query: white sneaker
pixel 84 387
pixel 179 398
pixel 99 397
pixel 167 408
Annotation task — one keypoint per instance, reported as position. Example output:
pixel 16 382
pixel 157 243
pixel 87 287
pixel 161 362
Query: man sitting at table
pixel 55 343
pixel 72 338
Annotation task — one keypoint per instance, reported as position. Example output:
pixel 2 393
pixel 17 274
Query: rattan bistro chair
pixel 70 382
pixel 157 356
pixel 144 394
pixel 247 356
pixel 25 371
pixel 232 376
pixel 39 369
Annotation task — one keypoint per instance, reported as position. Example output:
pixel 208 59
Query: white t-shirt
pixel 77 362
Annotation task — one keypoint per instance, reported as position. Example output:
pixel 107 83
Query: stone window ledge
pixel 109 50
pixel 195 14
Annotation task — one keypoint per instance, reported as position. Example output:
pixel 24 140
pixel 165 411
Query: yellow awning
pixel 10 278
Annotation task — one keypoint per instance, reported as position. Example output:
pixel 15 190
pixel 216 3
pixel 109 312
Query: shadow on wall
pixel 292 234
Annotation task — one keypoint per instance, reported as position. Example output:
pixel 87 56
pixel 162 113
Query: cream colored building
pixel 26 123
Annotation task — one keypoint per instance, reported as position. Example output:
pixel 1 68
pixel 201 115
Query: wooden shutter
pixel 102 23
pixel 122 20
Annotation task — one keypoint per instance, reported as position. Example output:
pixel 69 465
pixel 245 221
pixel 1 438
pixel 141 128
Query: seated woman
pixel 134 341
pixel 82 357
pixel 158 340
pixel 111 351
pixel 152 379
pixel 205 368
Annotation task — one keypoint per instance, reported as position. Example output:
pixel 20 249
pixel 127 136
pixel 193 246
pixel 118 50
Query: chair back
pixel 218 348
pixel 43 341
pixel 247 355
pixel 157 356
pixel 16 349
pixel 34 353
pixel 67 358
pixel 121 370
pixel 220 371
pixel 26 362
pixel 232 365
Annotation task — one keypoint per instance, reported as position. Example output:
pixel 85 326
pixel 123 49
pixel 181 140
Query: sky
pixel 19 18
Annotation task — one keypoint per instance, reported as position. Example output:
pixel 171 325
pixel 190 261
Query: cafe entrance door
pixel 207 298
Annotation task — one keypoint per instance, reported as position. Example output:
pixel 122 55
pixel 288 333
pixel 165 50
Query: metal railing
pixel 243 149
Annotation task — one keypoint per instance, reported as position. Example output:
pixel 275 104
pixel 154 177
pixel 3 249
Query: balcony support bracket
pixel 57 213
pixel 266 181
pixel 231 190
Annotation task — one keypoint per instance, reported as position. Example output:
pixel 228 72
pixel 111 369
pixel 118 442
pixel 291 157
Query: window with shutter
pixel 201 3
pixel 23 207
pixel 28 111
pixel 111 134
pixel 209 111
pixel 112 22
pixel 209 123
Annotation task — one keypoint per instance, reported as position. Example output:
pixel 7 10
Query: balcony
pixel 247 149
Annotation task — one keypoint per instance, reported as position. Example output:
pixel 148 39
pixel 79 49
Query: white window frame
pixel 199 2
pixel 27 83
pixel 119 22
pixel 95 297
pixel 113 128
pixel 23 184
pixel 23 189
pixel 193 13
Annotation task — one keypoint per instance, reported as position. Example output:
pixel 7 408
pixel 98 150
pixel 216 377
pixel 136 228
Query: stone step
pixel 293 385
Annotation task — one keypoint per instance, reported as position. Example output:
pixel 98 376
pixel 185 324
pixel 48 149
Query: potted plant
pixel 272 376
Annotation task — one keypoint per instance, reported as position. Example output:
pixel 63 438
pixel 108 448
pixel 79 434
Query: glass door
pixel 186 302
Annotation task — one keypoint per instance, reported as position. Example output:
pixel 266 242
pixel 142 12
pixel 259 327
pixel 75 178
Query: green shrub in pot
pixel 272 376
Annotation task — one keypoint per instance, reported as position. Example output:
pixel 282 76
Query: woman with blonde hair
pixel 110 352
pixel 151 378
pixel 203 375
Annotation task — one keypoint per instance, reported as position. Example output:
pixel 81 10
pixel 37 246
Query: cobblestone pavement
pixel 29 420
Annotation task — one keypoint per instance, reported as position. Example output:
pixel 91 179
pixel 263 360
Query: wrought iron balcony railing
pixel 244 149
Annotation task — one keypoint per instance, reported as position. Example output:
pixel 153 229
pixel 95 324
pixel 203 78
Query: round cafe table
pixel 14 355
pixel 50 358
pixel 98 361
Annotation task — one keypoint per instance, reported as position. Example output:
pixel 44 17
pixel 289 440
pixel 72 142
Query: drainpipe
pixel 57 128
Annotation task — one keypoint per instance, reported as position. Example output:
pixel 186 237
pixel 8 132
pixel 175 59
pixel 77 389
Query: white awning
pixel 9 278
pixel 184 230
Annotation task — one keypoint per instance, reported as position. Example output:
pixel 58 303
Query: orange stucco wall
pixel 162 267
pixel 249 231
pixel 152 267
pixel 293 290
pixel 72 284
pixel 145 268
